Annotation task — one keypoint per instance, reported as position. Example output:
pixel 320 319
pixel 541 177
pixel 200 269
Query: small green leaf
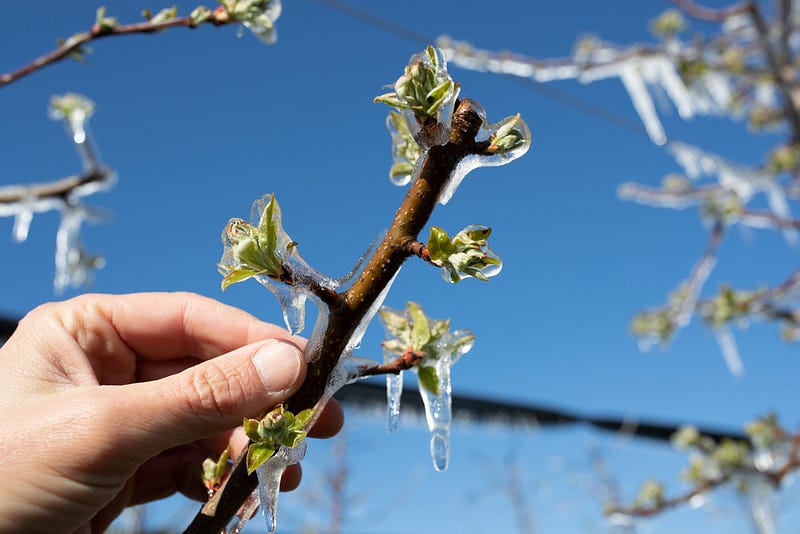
pixel 420 333
pixel 428 378
pixel 294 438
pixel 238 275
pixel 302 419
pixel 390 99
pixel 257 454
pixel 396 324
pixel 439 245
pixel 251 429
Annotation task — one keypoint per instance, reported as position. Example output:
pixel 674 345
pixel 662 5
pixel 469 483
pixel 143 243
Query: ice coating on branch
pixel 245 513
pixel 74 265
pixel 433 349
pixel 346 370
pixel 263 250
pixel 269 480
pixel 744 182
pixel 487 132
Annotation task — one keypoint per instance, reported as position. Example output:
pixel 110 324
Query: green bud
pixel 669 23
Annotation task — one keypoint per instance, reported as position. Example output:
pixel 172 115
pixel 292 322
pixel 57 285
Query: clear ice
pixel 262 25
pixel 269 480
pixel 74 265
pixel 474 161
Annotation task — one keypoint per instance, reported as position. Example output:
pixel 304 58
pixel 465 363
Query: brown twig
pixel 708 14
pixel 415 248
pixel 73 44
pixel 56 189
pixel 412 215
pixel 402 363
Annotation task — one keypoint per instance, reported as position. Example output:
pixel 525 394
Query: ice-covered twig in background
pixel 258 16
pixel 74 265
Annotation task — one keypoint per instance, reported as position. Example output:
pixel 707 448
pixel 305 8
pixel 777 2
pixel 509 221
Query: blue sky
pixel 198 124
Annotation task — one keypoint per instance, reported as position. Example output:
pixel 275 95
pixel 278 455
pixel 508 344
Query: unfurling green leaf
pixel 428 378
pixel 420 334
pixel 465 255
pixel 257 454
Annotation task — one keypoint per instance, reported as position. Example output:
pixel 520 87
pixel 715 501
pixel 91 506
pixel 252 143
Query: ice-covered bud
pixel 507 137
pixel 764 117
pixel 102 23
pixel 677 184
pixel 199 15
pixel 650 494
pixel 69 104
pixel 669 23
pixel 165 14
pixel 730 455
pixel 254 251
pixel 686 437
pixel 655 324
pixel 728 305
pixel 258 16
pixel 279 428
pixel 722 208
pixel 424 88
pixel 765 431
pixel 405 150
pixel 785 158
pixel 733 60
pixel 467 255
pixel 214 471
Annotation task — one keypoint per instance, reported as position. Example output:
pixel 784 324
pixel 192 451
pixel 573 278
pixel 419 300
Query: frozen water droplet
pixel 440 449
pixel 245 513
pixel 292 301
pixel 698 501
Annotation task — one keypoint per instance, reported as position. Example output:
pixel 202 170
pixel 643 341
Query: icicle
pixel 394 391
pixel 438 411
pixel 73 265
pixel 22 223
pixel 269 480
pixel 730 351
pixel 631 77
pixel 760 497
pixel 438 414
pixel 474 161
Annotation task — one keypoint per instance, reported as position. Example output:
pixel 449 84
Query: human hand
pixel 110 401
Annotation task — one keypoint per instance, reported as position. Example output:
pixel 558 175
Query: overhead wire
pixel 409 34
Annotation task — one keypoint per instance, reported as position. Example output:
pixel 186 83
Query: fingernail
pixel 278 363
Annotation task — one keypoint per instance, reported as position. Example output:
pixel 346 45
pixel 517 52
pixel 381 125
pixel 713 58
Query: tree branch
pixel 58 189
pixel 73 44
pixel 412 215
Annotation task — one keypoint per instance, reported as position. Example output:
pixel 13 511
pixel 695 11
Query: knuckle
pixel 213 393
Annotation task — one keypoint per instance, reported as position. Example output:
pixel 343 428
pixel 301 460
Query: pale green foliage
pixel 728 305
pixel 423 88
pixel 430 339
pixel 405 150
pixel 70 103
pixel 253 251
pixel 279 428
pixel 164 15
pixel 650 494
pixel 258 16
pixel 465 255
pixel 214 470
pixel 669 23
pixel 103 23
pixel 507 137
pixel 765 431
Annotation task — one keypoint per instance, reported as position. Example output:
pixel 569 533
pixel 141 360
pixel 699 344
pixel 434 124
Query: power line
pixel 414 36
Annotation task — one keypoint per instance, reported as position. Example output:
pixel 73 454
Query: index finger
pixel 162 326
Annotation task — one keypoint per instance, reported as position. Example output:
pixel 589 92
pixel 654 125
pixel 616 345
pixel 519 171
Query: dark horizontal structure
pixel 372 396
pixel 367 395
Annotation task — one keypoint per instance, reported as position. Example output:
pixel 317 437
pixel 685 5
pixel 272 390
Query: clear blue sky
pixel 198 124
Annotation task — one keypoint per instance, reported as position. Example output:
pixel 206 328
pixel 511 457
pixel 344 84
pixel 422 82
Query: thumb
pixel 211 397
